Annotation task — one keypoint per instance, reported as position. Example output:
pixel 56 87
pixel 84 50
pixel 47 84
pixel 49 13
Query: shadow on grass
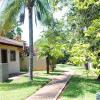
pixel 60 71
pixel 55 73
pixel 80 85
pixel 37 81
pixel 65 65
pixel 62 65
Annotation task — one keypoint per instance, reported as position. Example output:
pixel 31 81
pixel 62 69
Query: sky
pixel 1 2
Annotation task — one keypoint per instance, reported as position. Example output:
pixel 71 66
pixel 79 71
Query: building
pixel 9 54
pixel 39 63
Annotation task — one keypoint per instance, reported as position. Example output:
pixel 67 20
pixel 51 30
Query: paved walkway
pixel 52 90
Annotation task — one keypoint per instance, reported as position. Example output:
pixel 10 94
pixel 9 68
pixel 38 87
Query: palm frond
pixel 9 15
pixel 43 11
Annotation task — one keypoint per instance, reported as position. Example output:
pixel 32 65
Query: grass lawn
pixel 21 88
pixel 50 75
pixel 80 86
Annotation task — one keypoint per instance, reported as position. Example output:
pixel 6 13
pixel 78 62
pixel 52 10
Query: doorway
pixel 4 58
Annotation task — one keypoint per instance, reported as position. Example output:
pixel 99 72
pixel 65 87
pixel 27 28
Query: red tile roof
pixel 7 41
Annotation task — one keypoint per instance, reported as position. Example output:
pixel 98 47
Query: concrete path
pixel 52 90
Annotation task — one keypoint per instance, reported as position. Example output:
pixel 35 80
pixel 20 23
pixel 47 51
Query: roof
pixel 12 42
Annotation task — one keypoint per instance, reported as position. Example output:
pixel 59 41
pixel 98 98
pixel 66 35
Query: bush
pixel 24 69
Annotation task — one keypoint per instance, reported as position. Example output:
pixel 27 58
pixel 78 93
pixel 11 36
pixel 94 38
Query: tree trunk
pixel 30 43
pixel 98 77
pixel 86 66
pixel 47 62
pixel 53 67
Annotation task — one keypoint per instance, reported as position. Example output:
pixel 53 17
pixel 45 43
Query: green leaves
pixel 79 53
pixel 43 11
pixel 84 4
pixel 9 15
pixel 94 28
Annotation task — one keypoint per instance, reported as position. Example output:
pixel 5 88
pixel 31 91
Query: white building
pixel 9 54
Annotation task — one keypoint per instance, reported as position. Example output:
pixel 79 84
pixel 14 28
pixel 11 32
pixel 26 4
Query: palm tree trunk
pixel 47 62
pixel 30 43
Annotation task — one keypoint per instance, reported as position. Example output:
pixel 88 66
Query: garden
pixel 69 41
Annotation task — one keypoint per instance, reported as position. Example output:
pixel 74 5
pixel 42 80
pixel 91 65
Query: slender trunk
pixel 30 43
pixel 47 62
pixel 86 66
pixel 53 67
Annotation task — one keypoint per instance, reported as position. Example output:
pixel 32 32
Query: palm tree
pixel 10 14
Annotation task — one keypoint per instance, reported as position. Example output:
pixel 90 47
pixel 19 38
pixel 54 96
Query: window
pixel 4 56
pixel 12 55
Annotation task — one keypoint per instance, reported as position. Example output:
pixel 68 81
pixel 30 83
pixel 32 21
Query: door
pixel 4 58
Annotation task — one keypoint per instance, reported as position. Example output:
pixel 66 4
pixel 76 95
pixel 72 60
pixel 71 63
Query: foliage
pixel 79 53
pixel 53 50
pixel 9 15
pixel 85 18
pixel 52 42
pixel 64 59
pixel 19 31
pixel 13 10
pixel 12 34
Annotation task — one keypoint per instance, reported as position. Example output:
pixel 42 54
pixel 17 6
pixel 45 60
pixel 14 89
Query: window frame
pixel 12 55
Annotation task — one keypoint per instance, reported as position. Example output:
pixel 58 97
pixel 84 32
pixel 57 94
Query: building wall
pixel 38 63
pixel 13 66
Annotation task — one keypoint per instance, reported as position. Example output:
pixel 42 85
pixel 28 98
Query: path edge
pixel 60 91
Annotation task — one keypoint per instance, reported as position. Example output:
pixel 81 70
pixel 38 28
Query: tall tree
pixel 51 44
pixel 9 19
pixel 85 16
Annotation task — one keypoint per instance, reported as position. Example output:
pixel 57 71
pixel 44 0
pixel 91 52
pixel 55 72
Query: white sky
pixel 1 2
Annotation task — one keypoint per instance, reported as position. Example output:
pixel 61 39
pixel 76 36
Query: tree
pixel 50 47
pixel 93 37
pixel 10 14
pixel 17 32
pixel 10 35
pixel 43 50
pixel 86 17
pixel 51 51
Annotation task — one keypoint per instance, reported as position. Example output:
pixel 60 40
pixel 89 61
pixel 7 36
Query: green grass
pixel 50 75
pixel 80 86
pixel 21 88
